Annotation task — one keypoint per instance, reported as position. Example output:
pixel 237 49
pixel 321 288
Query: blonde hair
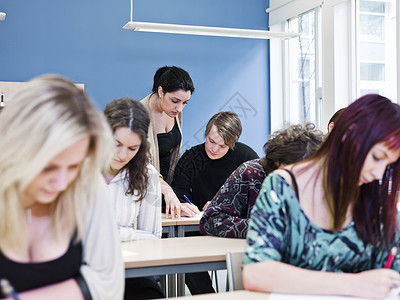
pixel 228 126
pixel 45 117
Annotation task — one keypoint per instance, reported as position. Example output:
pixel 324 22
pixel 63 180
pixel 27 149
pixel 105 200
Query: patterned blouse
pixel 229 211
pixel 280 230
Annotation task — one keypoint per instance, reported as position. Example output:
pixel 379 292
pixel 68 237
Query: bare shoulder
pixel 285 175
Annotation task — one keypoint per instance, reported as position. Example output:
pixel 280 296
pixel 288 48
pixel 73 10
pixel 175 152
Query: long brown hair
pixel 130 113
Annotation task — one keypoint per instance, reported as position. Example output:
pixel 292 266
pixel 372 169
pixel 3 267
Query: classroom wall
pixel 84 41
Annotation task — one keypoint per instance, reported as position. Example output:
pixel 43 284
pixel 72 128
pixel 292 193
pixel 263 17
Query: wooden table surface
pixel 236 295
pixel 184 250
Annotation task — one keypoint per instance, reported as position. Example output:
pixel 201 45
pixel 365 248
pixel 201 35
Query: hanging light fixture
pixel 205 30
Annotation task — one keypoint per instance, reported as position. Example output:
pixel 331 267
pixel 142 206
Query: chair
pixel 234 263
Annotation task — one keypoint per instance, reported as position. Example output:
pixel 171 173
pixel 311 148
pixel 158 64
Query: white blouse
pixel 137 220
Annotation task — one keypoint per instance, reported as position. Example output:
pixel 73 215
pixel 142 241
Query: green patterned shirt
pixel 280 230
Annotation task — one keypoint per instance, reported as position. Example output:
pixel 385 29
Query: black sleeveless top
pixel 166 142
pixel 294 182
pixel 27 276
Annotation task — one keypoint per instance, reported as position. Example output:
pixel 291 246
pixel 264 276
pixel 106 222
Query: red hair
pixel 369 120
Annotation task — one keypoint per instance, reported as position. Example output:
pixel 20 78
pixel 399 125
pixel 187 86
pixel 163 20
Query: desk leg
pixel 181 230
pixel 171 285
pixel 171 232
pixel 163 284
pixel 181 285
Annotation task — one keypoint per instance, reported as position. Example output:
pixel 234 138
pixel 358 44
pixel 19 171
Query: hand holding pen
pixel 187 199
pixel 188 208
pixel 390 258
pixel 8 290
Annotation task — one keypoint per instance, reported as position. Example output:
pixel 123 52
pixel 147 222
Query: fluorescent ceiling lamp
pixel 205 30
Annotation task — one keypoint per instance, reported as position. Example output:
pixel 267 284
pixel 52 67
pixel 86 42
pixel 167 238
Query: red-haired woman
pixel 335 212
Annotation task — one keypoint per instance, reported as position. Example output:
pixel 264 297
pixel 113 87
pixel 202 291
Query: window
pixel 376 49
pixel 302 69
pixel 347 48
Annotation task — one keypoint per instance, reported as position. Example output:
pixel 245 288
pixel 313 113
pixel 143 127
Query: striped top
pixel 137 220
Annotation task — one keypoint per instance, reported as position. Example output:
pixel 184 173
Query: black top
pixel 294 182
pixel 28 276
pixel 199 177
pixel 166 142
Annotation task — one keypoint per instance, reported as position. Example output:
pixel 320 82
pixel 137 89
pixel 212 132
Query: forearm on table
pixel 67 290
pixel 130 234
pixel 274 276
pixel 227 226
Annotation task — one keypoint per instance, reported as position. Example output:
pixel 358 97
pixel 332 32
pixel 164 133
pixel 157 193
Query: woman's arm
pixel 229 211
pixel 172 203
pixel 274 276
pixel 68 289
pixel 149 218
pixel 223 216
pixel 102 267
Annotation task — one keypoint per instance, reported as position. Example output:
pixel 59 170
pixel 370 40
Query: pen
pixel 390 258
pixel 187 199
pixel 8 290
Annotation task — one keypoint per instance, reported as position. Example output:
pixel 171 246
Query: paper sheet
pixel 127 253
pixel 394 295
pixel 196 217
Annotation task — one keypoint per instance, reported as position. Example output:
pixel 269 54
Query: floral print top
pixel 280 230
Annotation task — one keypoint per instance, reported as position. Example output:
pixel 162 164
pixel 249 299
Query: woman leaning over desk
pixel 57 231
pixel 172 89
pixel 335 212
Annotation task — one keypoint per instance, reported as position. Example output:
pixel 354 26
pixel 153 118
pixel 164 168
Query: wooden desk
pixel 174 228
pixel 168 226
pixel 178 227
pixel 178 255
pixel 188 225
pixel 236 295
pixel 243 294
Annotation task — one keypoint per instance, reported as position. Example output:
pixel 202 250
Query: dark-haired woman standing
pixel 172 89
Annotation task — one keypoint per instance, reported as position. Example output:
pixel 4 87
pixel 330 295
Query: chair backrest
pixel 234 263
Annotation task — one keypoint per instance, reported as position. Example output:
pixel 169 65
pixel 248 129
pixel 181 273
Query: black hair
pixel 172 79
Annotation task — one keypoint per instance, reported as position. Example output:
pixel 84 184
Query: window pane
pixel 372 51
pixel 372 6
pixel 376 47
pixel 368 91
pixel 372 27
pixel 372 72
pixel 302 66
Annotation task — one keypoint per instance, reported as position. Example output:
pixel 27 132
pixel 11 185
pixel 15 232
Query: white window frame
pixel 338 81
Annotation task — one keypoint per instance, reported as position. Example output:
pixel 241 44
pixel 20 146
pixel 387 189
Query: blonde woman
pixel 57 232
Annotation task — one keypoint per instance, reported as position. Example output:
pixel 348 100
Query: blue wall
pixel 84 41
